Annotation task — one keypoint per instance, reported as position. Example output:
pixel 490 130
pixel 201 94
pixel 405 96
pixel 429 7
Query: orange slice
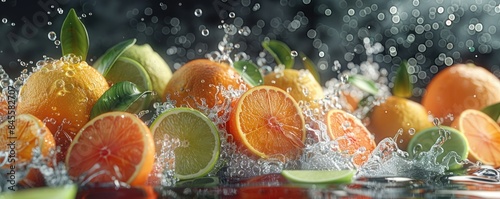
pixel 351 134
pixel 267 121
pixel 112 146
pixel 483 135
pixel 24 134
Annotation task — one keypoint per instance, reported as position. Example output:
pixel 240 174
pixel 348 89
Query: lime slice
pixel 428 137
pixel 65 192
pixel 199 141
pixel 126 69
pixel 319 176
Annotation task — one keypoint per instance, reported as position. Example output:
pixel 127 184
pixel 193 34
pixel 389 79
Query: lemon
pixel 199 140
pixel 427 138
pixel 319 176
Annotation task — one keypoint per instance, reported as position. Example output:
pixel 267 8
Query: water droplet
pixel 198 12
pixel 294 53
pixel 205 32
pixel 57 42
pixel 4 20
pixel 60 11
pixel 256 7
pixel 52 35
pixel 232 15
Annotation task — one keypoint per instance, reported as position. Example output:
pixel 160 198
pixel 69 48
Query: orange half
pixel 112 146
pixel 267 121
pixel 350 134
pixel 483 135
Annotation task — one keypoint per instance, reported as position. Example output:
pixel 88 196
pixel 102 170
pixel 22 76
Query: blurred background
pixel 430 34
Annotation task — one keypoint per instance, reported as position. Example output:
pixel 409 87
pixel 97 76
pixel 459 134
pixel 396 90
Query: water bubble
pixel 198 12
pixel 57 42
pixel 232 15
pixel 60 11
pixel 4 20
pixel 294 53
pixel 52 35
pixel 256 7
pixel 205 32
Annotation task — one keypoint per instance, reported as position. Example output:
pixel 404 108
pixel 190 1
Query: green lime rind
pixel 64 192
pixel 199 148
pixel 74 36
pixel 319 176
pixel 428 137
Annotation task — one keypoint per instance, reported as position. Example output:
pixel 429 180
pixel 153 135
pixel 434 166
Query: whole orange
pixel 199 80
pixel 62 93
pixel 397 113
pixel 460 87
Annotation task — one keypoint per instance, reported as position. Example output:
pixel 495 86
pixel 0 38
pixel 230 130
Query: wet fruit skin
pixel 62 93
pixel 460 87
pixel 198 80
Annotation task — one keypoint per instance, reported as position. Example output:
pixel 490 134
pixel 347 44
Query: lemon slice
pixel 199 140
pixel 319 176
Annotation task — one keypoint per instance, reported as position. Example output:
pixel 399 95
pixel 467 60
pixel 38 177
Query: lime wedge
pixel 319 176
pixel 427 138
pixel 65 192
pixel 199 146
pixel 126 69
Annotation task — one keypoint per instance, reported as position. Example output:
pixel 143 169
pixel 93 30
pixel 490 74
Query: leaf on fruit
pixel 309 65
pixel 117 98
pixel 402 86
pixel 493 111
pixel 280 51
pixel 74 36
pixel 249 71
pixel 363 83
pixel 104 63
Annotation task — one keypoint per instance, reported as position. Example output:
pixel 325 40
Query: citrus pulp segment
pixel 267 121
pixel 351 135
pixel 483 136
pixel 455 141
pixel 199 141
pixel 319 176
pixel 114 145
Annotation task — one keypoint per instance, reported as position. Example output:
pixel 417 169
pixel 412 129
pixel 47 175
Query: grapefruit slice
pixel 112 146
pixel 266 121
pixel 350 134
pixel 483 135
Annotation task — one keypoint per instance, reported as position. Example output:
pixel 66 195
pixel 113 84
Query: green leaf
pixel 402 86
pixel 309 65
pixel 280 51
pixel 493 111
pixel 117 98
pixel 74 37
pixel 104 63
pixel 249 71
pixel 363 84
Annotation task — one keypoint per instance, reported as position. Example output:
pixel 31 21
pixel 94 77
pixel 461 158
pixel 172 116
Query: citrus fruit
pixel 460 87
pixel 300 84
pixel 198 80
pixel 483 136
pixel 126 69
pixel 267 121
pixel 199 140
pixel 62 93
pixel 394 114
pixel 24 135
pixel 319 176
pixel 155 66
pixel 64 192
pixel 350 134
pixel 455 141
pixel 117 145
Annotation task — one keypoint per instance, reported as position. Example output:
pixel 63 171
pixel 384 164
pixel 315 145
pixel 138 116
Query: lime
pixel 156 67
pixel 126 69
pixel 64 192
pixel 319 176
pixel 428 137
pixel 199 140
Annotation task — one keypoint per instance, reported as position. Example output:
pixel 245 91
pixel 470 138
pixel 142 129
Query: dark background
pixel 325 30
